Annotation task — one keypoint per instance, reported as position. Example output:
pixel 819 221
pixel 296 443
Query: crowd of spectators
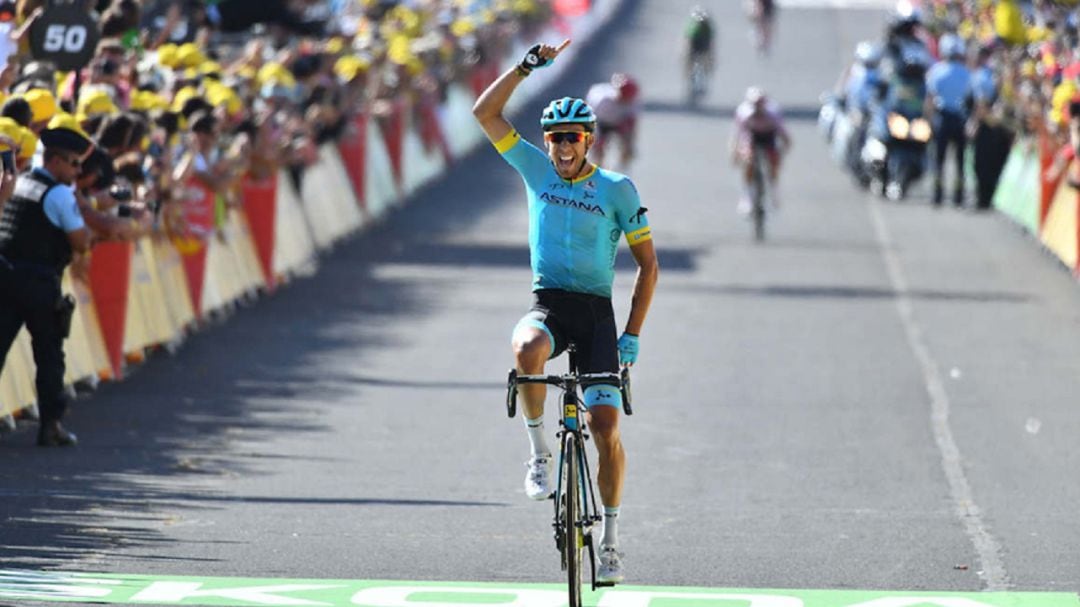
pixel 1032 48
pixel 223 89
pixel 176 93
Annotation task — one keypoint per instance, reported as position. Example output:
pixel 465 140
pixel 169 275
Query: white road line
pixel 878 4
pixel 986 547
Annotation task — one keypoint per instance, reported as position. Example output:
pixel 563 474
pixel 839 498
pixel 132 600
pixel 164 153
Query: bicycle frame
pixel 577 510
pixel 760 179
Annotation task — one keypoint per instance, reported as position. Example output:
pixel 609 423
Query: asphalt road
pixel 881 396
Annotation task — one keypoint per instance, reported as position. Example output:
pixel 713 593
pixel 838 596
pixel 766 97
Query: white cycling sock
pixel 536 436
pixel 611 527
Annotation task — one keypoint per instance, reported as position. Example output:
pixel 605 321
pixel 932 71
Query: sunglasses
pixel 558 137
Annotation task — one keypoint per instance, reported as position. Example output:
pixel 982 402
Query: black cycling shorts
pixel 586 320
pixel 766 139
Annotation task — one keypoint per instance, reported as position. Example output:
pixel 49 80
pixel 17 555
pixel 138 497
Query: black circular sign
pixel 66 35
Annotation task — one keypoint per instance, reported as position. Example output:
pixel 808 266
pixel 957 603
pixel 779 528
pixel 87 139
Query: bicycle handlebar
pixel 584 380
pixel 620 380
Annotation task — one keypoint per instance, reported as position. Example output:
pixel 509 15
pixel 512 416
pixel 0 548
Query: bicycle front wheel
pixel 572 521
pixel 758 211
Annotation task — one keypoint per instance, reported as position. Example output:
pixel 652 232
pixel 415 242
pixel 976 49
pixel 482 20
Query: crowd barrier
pixel 1047 209
pixel 151 293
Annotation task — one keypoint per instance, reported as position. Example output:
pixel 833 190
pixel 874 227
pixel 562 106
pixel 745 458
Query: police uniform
pixel 992 139
pixel 950 84
pixel 34 250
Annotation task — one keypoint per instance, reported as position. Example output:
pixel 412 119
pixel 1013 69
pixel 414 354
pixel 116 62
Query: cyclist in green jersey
pixel 699 41
pixel 577 214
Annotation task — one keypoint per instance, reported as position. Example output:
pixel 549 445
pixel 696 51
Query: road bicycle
pixel 758 185
pixel 698 80
pixel 577 511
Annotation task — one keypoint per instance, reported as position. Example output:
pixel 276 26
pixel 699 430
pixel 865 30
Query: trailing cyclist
pixel 759 122
pixel 762 14
pixel 616 106
pixel 577 213
pixel 699 42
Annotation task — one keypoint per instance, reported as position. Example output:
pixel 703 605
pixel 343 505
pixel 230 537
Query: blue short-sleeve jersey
pixel 950 83
pixel 575 226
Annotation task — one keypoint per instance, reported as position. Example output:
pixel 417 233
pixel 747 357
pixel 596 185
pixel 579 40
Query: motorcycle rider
pixel 864 77
pixel 905 95
pixel 861 89
pixel 950 96
pixel 902 37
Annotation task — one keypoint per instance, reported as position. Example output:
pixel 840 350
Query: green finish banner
pixel 122 589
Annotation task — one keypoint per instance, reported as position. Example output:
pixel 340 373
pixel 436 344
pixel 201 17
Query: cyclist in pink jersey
pixel 617 107
pixel 758 121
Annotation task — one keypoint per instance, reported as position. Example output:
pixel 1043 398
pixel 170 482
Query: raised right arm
pixel 488 109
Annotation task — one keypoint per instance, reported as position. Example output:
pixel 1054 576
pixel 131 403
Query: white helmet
pixel 906 12
pixel 868 53
pixel 951 46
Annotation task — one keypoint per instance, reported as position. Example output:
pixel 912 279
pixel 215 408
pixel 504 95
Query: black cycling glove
pixel 533 60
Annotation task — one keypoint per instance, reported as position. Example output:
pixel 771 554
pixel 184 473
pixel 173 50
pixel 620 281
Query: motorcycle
pixel 896 160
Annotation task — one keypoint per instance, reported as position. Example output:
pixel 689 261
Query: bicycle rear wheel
pixel 574 541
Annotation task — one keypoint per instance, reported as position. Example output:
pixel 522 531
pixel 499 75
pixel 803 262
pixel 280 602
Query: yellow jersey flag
pixel 1009 22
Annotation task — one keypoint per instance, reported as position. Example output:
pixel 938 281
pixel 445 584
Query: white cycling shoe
pixel 538 478
pixel 610 569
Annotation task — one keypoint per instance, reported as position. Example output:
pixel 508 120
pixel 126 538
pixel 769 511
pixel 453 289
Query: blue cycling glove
pixel 628 349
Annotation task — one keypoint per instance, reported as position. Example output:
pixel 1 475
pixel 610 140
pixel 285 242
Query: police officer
pixel 41 230
pixel 949 85
pixel 902 38
pixel 992 140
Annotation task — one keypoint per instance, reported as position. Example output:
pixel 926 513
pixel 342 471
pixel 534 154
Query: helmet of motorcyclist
pixel 626 86
pixel 906 13
pixel 868 54
pixel 952 46
pixel 568 110
pixel 904 19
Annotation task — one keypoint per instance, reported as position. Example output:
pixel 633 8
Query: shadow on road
pixel 797 113
pixel 845 292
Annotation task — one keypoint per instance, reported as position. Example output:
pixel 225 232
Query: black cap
pixel 65 139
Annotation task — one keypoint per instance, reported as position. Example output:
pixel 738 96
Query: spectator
pixel 175 98
pixel 991 141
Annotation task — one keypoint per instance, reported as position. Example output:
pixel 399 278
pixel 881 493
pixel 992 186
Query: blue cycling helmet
pixel 568 110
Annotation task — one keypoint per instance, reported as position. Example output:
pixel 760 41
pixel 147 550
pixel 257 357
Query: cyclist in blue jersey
pixel 577 214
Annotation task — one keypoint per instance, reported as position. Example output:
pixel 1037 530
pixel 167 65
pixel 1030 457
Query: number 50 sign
pixel 65 35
